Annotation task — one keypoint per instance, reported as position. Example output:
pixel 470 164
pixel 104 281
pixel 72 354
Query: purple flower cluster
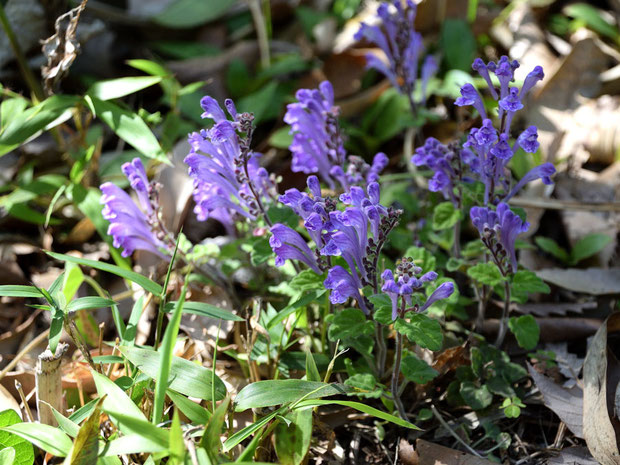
pixel 318 146
pixel 131 227
pixel 498 231
pixel 406 283
pixel 487 151
pixel 356 234
pixel 228 180
pixel 449 164
pixel 402 47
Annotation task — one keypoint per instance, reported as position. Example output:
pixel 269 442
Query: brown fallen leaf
pixel 600 375
pixel 406 454
pixel 594 281
pixel 576 455
pixel 434 454
pixel 565 403
pixel 561 309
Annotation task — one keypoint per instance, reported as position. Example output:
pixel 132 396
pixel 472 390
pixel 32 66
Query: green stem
pixel 395 375
pixel 503 322
pixel 27 73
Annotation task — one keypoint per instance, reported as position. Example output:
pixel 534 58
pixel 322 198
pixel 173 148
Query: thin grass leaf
pixel 45 437
pixel 141 280
pixel 196 413
pixel 11 290
pixel 86 445
pixel 88 303
pixel 204 309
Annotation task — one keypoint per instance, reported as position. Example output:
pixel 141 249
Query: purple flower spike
pixel 498 231
pixel 531 79
pixel 130 227
pixel 470 96
pixel 528 140
pixel 429 69
pixel 226 174
pixel 400 44
pixel 482 69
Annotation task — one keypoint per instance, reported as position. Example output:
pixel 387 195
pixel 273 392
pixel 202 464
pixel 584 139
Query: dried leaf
pixel 561 309
pixel 600 425
pixel 576 455
pixel 434 454
pixel 594 281
pixel 62 48
pixel 565 403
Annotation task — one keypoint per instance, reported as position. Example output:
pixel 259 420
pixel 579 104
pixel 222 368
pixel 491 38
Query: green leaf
pixel 116 88
pixel 307 280
pixel 476 397
pixel 422 258
pixel 204 309
pixel 7 456
pixel 241 435
pixel 49 113
pixel 364 384
pixel 130 127
pixel 265 103
pixel 526 331
pixel 87 303
pixel 350 323
pixel 486 273
pixel 284 215
pixel 210 440
pixel 134 443
pixel 312 372
pixel 383 308
pixel 424 331
pixel 45 437
pixel 11 108
pixel 588 246
pixel 308 298
pixel 86 446
pixel 292 441
pixel 176 448
pixel 525 282
pixel 10 290
pixel 117 400
pixel 445 216
pixel 196 413
pixel 458 44
pixel 166 355
pixel 551 247
pixel 417 370
pixel 593 18
pixel 277 392
pixel 454 264
pixel 140 280
pixel 260 250
pixel 182 14
pixel 281 138
pixel 185 377
pixel 361 408
pixel 23 451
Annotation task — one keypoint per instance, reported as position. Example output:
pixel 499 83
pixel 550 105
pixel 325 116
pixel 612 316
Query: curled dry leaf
pixel 601 374
pixel 576 455
pixel 565 403
pixel 593 281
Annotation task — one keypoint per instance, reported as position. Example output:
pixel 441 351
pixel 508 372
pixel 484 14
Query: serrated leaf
pixel 486 273
pixel 349 323
pixel 383 308
pixel 445 216
pixel 417 370
pixel 525 282
pixel 422 258
pixel 365 385
pixel 424 331
pixel 307 280
pixel 526 330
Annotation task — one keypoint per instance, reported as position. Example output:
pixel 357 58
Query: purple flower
pixel 401 45
pixel 470 96
pixel 288 244
pixel 133 228
pixel 528 140
pixel 225 172
pixel 343 286
pixel 498 231
pixel 429 69
pixel 406 282
pixel 542 172
pixel 317 144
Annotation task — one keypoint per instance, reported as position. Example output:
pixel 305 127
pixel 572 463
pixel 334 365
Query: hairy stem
pixel 503 322
pixel 395 375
